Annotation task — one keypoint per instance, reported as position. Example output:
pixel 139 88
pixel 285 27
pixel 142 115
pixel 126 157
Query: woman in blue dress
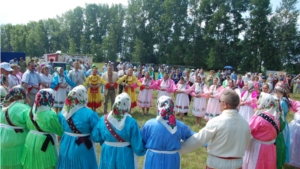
pixel 120 137
pixel 281 89
pixel 76 148
pixel 162 137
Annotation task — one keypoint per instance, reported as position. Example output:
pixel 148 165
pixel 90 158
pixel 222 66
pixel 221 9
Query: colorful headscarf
pixel 76 99
pixel 267 104
pixel 44 100
pixel 120 110
pixel 15 94
pixel 165 113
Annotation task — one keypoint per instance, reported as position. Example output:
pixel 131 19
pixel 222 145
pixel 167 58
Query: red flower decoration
pixel 68 102
pixel 163 112
pixel 116 112
pixel 76 101
pixel 172 120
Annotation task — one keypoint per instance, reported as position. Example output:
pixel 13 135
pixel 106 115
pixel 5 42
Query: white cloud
pixel 23 11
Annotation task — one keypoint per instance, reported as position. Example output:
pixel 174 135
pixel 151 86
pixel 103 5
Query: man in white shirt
pixel 229 135
pixel 120 74
pixel 247 77
pixel 111 92
pixel 76 75
pixel 119 66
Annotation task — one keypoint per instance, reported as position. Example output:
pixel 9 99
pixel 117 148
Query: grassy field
pixel 194 160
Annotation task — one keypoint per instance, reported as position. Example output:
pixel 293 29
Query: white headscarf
pixel 267 104
pixel 44 100
pixel 165 114
pixel 76 99
pixel 120 111
pixel 250 86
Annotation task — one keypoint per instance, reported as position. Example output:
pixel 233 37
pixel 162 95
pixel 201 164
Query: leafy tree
pixel 285 35
pixel 72 46
pixel 18 38
pixel 258 34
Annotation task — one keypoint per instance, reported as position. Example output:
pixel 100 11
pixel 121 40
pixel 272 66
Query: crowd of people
pixel 246 117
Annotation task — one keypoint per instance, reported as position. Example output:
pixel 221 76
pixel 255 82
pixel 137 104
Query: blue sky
pixel 23 11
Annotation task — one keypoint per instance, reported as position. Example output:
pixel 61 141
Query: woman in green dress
pixel 40 147
pixel 13 128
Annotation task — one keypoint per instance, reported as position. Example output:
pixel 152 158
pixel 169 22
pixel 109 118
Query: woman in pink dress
pixel 145 95
pixel 213 106
pixel 182 104
pixel 199 92
pixel 264 126
pixel 165 86
pixel 248 101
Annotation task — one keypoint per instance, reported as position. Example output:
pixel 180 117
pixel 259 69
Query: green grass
pixel 194 160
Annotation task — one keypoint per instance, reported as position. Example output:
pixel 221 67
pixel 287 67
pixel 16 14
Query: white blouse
pixel 46 79
pixel 13 81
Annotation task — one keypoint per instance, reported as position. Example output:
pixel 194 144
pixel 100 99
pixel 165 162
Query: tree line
pixel 245 34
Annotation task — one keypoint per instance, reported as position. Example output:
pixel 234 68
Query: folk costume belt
pixel 81 138
pixel 131 88
pixel 229 158
pixel 94 90
pixel 17 129
pixel 163 152
pixel 266 142
pixel 117 144
pixel 40 131
pixel 47 140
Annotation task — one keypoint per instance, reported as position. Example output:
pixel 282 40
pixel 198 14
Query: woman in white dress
pixel 182 104
pixel 213 106
pixel 248 101
pixel 145 95
pixel 199 92
pixel 14 79
pixel 60 83
pixel 165 86
pixel 46 78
